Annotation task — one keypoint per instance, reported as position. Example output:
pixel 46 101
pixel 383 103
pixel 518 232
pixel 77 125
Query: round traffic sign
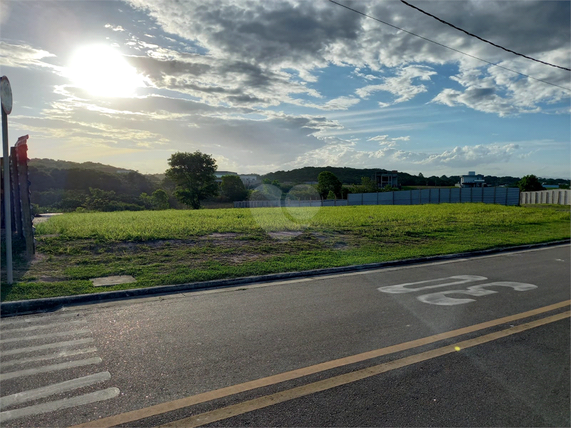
pixel 6 95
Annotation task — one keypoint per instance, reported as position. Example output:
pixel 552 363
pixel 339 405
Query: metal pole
pixel 7 192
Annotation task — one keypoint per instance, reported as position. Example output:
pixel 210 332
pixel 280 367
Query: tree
pixel 368 185
pixel 193 174
pixel 160 200
pixel 326 182
pixel 331 195
pixel 233 188
pixel 529 183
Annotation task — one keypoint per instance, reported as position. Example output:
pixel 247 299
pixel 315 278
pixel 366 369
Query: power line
pixel 484 40
pixel 448 47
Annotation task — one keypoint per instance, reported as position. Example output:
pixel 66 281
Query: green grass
pixel 174 247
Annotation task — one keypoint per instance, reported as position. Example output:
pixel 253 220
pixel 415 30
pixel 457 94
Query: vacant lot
pixel 174 247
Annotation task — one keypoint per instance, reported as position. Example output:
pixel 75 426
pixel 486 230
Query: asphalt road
pixel 391 347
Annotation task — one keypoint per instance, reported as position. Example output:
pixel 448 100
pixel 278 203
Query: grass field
pixel 174 247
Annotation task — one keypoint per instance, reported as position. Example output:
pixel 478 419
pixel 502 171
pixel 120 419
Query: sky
pixel 276 85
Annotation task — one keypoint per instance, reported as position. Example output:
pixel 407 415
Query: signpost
pixel 6 98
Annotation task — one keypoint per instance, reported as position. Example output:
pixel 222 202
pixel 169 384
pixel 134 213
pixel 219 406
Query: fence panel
pixel 489 196
pixel 369 198
pixel 556 196
pixel 354 198
pixel 386 198
pixel 501 195
pixel 465 195
pixel 513 197
pixel 454 196
pixel 445 195
pixel 402 197
pixel 478 194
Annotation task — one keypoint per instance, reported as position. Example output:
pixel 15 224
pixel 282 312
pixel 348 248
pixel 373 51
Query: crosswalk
pixel 56 354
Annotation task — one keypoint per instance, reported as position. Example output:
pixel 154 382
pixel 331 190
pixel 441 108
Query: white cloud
pixel 402 85
pixel 24 56
pixel 309 36
pixel 341 153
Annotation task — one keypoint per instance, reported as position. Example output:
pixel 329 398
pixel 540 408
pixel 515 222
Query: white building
pixel 250 180
pixel 472 180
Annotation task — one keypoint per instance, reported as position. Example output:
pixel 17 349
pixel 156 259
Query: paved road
pixel 391 347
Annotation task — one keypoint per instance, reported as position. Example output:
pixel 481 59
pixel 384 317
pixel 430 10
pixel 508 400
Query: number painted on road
pixel 441 298
pixel 437 283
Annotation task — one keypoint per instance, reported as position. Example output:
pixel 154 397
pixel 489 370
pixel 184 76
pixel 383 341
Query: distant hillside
pixel 58 185
pixel 354 175
pixel 49 164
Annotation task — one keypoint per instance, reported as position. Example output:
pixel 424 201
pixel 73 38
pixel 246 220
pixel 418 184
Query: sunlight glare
pixel 102 71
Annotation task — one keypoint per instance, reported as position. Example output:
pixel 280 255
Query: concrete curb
pixel 21 307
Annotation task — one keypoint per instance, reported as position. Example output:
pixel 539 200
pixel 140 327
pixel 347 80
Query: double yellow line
pixel 311 388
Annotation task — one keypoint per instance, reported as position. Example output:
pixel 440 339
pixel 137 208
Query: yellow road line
pixel 158 409
pixel 312 388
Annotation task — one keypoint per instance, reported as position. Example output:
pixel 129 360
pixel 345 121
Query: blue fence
pixel 487 195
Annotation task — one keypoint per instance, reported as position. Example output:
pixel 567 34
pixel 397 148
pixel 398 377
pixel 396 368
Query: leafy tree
pixel 303 192
pixel 331 195
pixel 233 188
pixel 266 192
pixel 327 182
pixel 100 200
pixel 194 176
pixel 160 200
pixel 529 183
pixel 368 185
pixel 146 200
pixel 388 188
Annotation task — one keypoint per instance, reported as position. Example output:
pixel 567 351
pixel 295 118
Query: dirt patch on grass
pixel 223 235
pixel 50 279
pixel 244 258
pixel 285 235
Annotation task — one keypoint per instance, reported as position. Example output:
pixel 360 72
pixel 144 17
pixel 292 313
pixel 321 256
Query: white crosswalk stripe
pixel 66 403
pixel 43 319
pixel 69 363
pixel 60 354
pixel 46 391
pixel 45 336
pixel 40 327
pixel 65 344
pixel 50 368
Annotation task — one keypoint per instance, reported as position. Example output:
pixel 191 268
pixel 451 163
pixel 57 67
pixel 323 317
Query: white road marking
pixel 60 354
pixel 50 368
pixel 44 336
pixel 440 282
pixel 475 290
pixel 39 327
pixel 51 406
pixel 30 320
pixel 48 346
pixel 56 388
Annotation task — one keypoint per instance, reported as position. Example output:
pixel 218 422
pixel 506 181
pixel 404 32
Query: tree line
pixel 190 180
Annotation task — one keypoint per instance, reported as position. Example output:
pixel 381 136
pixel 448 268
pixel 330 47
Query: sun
pixel 103 72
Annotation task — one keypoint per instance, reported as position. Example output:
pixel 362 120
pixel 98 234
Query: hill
pixel 354 176
pixel 49 164
pixel 58 185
